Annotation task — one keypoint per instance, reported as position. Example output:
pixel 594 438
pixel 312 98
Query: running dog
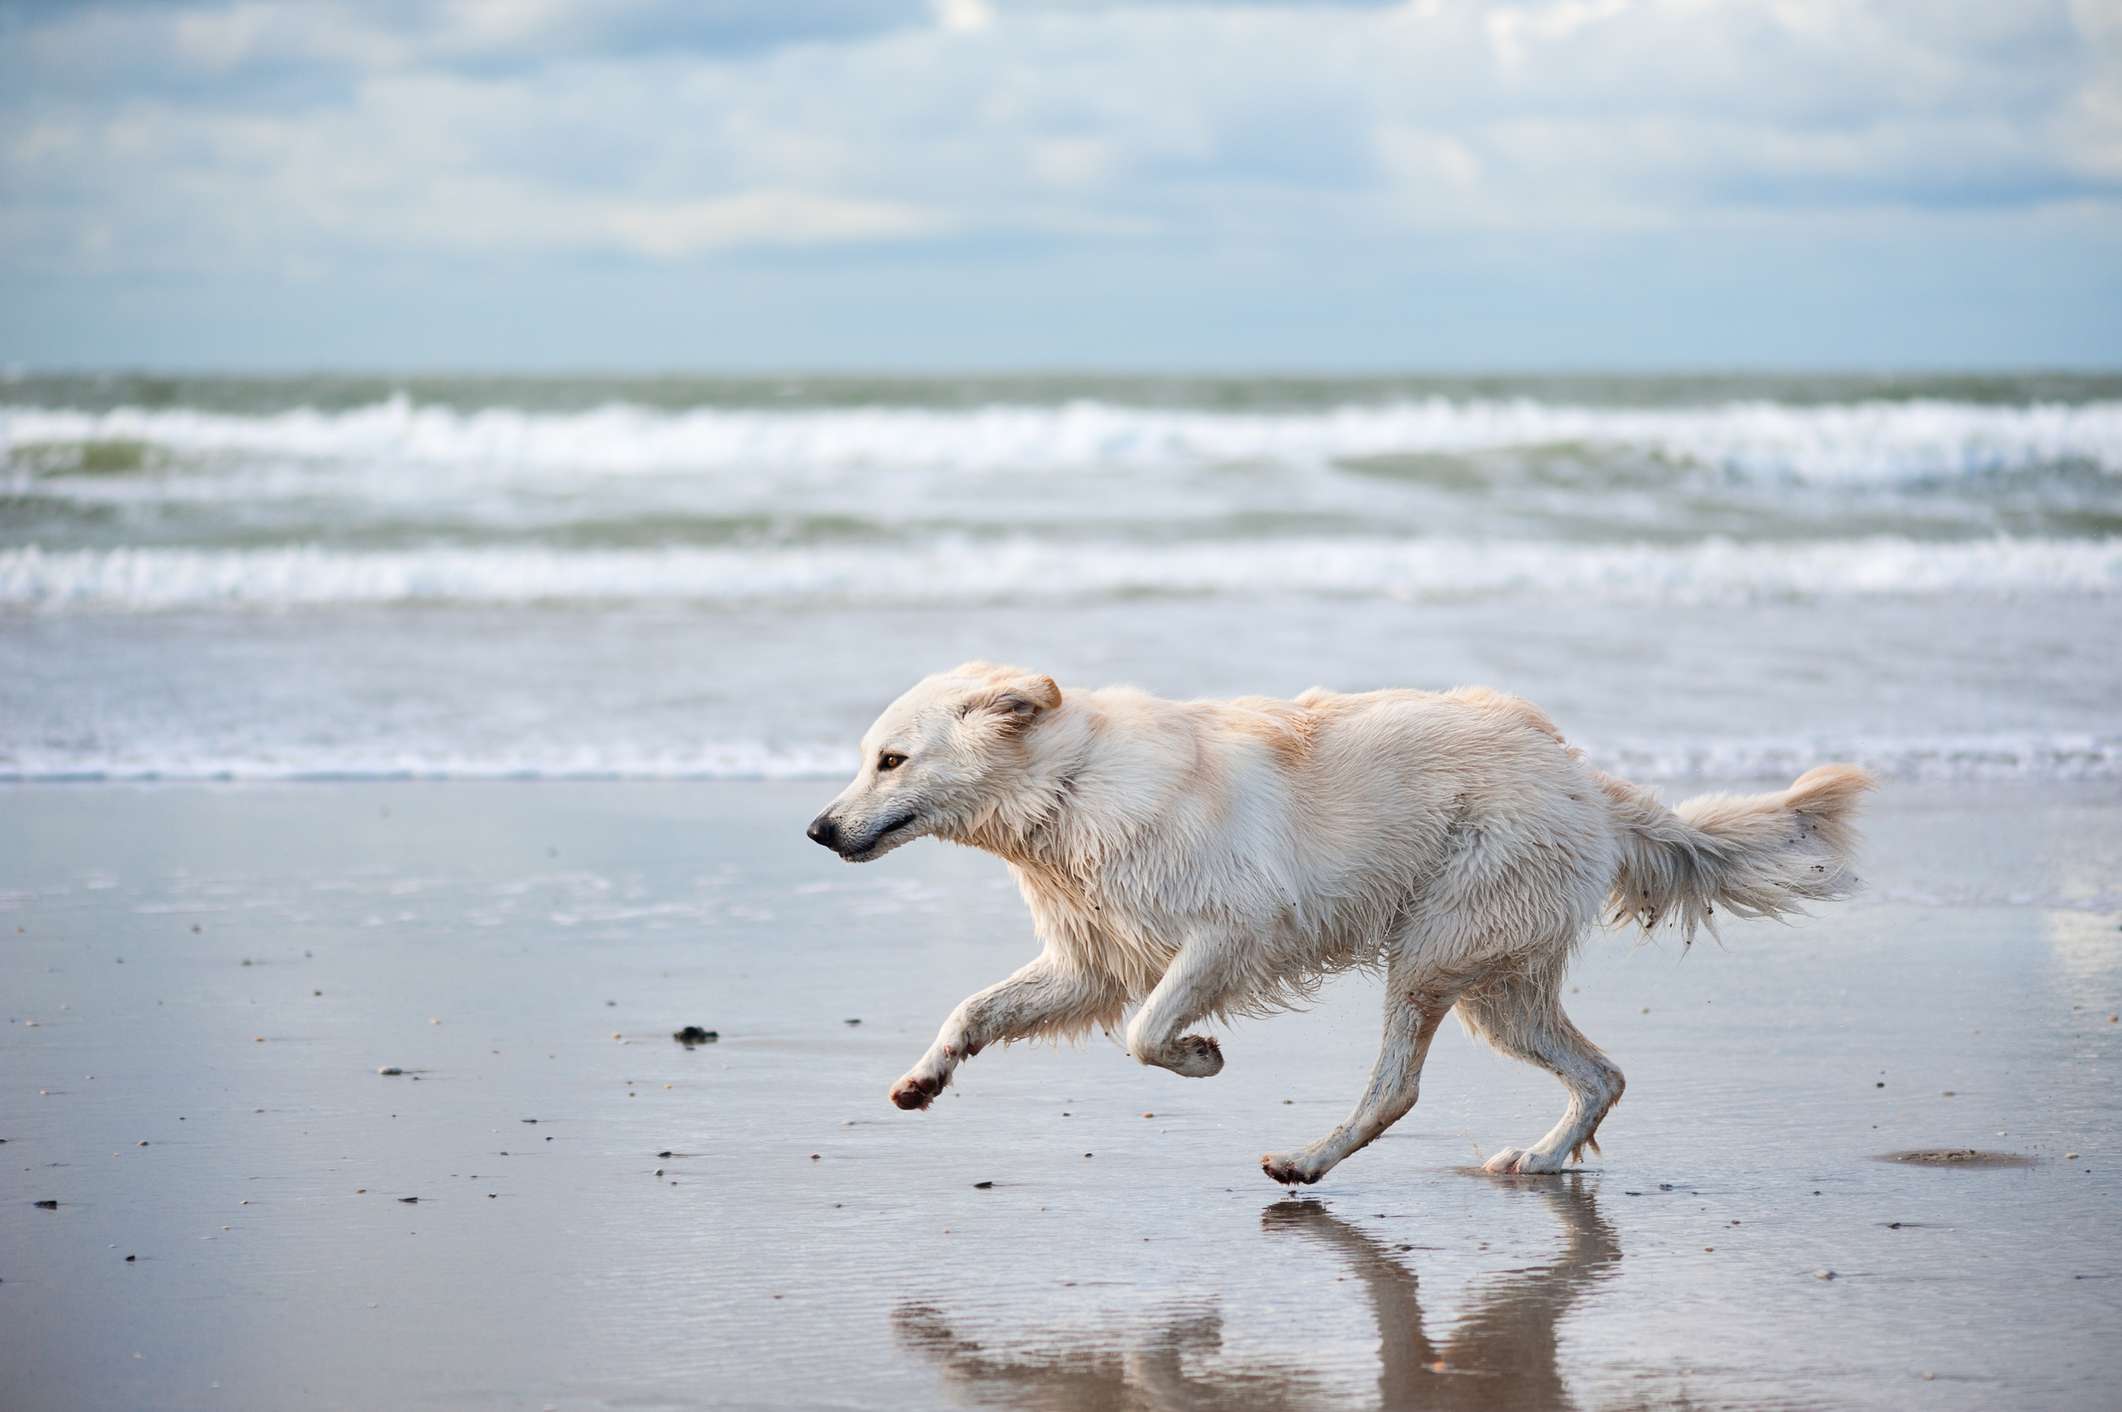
pixel 1206 859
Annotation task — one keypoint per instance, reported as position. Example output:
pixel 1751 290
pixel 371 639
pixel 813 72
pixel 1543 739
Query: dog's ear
pixel 1016 700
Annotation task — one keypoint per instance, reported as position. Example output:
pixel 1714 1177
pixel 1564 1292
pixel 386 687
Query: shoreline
pixel 531 962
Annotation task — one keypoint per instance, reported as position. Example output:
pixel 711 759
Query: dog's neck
pixel 1035 823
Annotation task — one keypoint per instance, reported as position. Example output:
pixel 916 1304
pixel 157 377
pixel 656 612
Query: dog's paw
pixel 1196 1056
pixel 1514 1161
pixel 916 1091
pixel 1289 1169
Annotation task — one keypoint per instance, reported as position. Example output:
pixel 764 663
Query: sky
pixel 912 185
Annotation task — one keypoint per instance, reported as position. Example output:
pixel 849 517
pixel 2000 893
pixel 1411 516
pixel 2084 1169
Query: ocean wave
pixel 1943 758
pixel 1921 758
pixel 963 571
pixel 1869 441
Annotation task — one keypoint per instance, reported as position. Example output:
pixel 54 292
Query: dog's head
pixel 936 760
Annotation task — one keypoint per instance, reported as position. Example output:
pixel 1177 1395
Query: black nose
pixel 823 830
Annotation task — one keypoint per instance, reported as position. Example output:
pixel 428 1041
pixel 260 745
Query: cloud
pixel 224 137
pixel 767 218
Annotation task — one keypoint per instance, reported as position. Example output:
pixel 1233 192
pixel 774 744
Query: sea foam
pixel 963 570
pixel 1855 441
pixel 2002 757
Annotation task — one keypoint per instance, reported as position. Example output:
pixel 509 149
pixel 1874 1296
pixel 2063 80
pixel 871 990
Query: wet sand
pixel 202 982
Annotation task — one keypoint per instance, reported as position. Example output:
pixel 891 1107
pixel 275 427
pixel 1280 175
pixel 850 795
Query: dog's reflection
pixel 1500 1355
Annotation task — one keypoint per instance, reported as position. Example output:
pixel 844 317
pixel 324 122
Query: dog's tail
pixel 1756 855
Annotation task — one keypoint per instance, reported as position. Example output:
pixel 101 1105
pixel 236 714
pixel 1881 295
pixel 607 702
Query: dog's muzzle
pixel 827 831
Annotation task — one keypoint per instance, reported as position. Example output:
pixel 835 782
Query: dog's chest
pixel 1098 922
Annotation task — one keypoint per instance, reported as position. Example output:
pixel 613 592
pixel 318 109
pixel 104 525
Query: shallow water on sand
pixel 202 981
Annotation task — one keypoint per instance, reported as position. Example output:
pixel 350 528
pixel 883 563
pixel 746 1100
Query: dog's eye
pixel 889 761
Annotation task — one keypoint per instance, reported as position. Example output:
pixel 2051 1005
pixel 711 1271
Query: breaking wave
pixel 1883 441
pixel 1944 758
pixel 1046 570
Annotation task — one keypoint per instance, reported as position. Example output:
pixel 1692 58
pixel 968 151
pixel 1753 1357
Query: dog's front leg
pixel 1193 986
pixel 1045 996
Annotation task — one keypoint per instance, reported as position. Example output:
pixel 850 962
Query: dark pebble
pixel 47 1206
pixel 666 1152
pixel 410 1200
pixel 693 1034
pixel 131 1258
pixel 982 1186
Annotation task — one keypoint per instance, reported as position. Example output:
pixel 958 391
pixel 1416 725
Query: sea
pixel 1729 577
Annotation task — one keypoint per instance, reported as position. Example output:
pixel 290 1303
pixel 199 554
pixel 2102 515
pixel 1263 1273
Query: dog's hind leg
pixel 1194 985
pixel 1413 1011
pixel 1522 1016
pixel 1045 996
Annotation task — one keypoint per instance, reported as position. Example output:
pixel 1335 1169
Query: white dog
pixel 1215 858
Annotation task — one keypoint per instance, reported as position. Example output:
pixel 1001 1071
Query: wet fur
pixel 1199 860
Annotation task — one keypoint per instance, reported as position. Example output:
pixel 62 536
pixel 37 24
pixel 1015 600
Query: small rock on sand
pixel 692 1035
pixel 390 1071
pixel 1823 1274
pixel 47 1206
pixel 982 1186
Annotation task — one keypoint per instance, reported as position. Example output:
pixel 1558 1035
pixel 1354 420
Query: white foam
pixel 1942 758
pixel 1858 441
pixel 714 760
pixel 1946 757
pixel 961 570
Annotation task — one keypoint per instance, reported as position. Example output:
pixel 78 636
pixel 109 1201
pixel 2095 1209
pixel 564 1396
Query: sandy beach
pixel 556 1205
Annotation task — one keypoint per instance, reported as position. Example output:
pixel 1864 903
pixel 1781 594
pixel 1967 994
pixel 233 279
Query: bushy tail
pixel 1755 855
